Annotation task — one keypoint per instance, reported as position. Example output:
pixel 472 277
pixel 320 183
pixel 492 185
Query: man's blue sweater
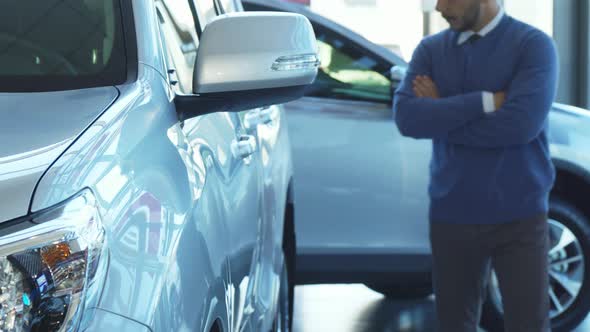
pixel 486 167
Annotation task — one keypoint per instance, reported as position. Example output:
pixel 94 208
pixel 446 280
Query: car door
pixel 265 124
pixel 269 125
pixel 361 187
pixel 222 141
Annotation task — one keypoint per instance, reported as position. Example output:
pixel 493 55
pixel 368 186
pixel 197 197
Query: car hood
pixel 35 129
pixel 569 125
pixel 569 135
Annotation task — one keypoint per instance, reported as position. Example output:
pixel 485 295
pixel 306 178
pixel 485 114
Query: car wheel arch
pixel 289 246
pixel 572 184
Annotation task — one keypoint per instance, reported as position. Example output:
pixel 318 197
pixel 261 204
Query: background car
pixel 361 187
pixel 141 187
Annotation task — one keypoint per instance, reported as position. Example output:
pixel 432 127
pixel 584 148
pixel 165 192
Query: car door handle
pixel 268 114
pixel 259 116
pixel 244 146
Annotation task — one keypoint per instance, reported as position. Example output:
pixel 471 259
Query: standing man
pixel 481 91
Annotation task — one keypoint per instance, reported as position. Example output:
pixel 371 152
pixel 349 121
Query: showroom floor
pixel 355 308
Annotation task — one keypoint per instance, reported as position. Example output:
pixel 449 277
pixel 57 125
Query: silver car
pixel 145 177
pixel 361 187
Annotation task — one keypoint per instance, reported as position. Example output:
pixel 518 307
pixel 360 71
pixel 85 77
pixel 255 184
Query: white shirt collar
pixel 464 36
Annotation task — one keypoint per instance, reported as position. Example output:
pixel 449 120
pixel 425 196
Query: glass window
pixel 54 45
pixel 538 13
pixel 206 11
pixel 228 6
pixel 347 72
pixel 180 38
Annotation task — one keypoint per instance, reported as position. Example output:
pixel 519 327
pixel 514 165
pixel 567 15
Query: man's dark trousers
pixel 462 257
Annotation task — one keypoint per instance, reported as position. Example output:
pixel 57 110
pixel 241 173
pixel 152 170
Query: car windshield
pixel 60 44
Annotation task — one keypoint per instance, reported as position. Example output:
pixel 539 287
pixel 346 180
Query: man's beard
pixel 471 18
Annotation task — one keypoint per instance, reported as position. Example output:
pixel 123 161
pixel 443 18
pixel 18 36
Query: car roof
pixel 316 19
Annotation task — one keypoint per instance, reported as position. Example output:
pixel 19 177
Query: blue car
pixel 361 187
pixel 145 175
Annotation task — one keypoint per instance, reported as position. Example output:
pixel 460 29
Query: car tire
pixel 290 254
pixel 402 292
pixel 283 317
pixel 561 214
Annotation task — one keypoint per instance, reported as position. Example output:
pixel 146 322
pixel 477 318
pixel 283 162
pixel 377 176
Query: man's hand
pixel 424 87
pixel 499 98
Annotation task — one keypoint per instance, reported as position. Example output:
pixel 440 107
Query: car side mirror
pixel 398 73
pixel 251 60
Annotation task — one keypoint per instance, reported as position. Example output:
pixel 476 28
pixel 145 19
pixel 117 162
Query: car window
pixel 35 55
pixel 219 8
pixel 227 6
pixel 348 72
pixel 180 38
pixel 207 10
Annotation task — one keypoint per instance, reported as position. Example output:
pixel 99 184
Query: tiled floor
pixel 355 308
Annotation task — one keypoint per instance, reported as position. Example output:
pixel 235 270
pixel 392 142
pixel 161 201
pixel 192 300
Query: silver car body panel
pixel 569 136
pixel 108 321
pixel 149 50
pixel 194 231
pixel 376 204
pixel 26 152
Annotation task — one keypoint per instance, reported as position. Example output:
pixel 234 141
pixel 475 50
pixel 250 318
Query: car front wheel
pixel 569 272
pixel 283 318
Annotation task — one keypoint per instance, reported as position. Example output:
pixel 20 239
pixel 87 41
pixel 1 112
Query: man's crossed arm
pixel 424 87
pixel 519 116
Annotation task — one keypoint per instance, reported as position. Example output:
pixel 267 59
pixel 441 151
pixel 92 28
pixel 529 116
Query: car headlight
pixel 51 271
